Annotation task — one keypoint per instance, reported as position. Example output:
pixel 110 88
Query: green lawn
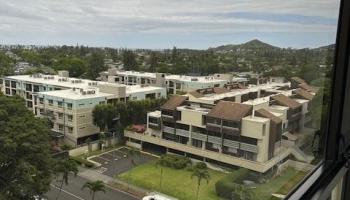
pixel 177 183
pixel 282 184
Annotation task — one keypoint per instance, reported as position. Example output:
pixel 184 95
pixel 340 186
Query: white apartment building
pixel 175 84
pixel 69 101
pixel 255 127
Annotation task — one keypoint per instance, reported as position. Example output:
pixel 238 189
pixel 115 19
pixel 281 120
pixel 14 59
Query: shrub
pixel 226 185
pixel 175 161
pixel 83 162
pixel 66 147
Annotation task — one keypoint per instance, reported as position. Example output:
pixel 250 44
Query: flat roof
pixel 256 119
pixel 156 114
pixel 75 95
pixel 55 80
pixel 130 89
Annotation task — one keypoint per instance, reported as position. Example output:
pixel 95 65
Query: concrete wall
pixel 192 118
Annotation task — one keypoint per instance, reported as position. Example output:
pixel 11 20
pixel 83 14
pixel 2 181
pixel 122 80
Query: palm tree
pixel 65 167
pixel 200 174
pixel 94 186
pixel 133 152
pixel 160 163
pixel 243 192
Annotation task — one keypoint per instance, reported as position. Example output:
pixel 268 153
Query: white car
pixel 157 196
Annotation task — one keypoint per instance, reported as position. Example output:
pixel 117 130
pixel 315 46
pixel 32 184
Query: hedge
pixel 175 161
pixel 83 162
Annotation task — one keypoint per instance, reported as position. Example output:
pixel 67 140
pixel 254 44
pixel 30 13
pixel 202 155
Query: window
pixel 70 129
pixel 7 83
pixel 60 115
pixel 69 106
pixel 41 100
pixel 70 118
pixel 60 127
pixel 50 102
pixel 59 104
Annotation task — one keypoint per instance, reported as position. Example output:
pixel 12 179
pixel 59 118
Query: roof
pixel 304 94
pixel 286 101
pixel 298 80
pixel 264 113
pixel 215 90
pixel 230 111
pixel 174 102
pixel 307 87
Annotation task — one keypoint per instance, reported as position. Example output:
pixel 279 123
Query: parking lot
pixel 118 161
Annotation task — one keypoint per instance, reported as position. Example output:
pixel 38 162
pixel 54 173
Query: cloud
pixel 111 19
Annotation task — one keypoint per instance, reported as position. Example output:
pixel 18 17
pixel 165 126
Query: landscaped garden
pixel 178 181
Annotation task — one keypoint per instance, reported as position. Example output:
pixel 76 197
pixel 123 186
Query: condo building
pixel 255 126
pixel 69 102
pixel 175 84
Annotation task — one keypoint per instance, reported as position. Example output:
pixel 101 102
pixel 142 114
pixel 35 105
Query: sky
pixel 159 24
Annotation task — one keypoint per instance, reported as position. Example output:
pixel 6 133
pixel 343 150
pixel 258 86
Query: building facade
pixel 255 127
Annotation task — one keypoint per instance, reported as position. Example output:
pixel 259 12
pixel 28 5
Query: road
pixel 73 191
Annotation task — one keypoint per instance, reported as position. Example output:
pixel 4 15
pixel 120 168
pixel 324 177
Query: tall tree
pixel 95 65
pixel 103 116
pixel 26 164
pixel 129 60
pixel 200 174
pixel 64 168
pixel 94 186
pixel 160 164
pixel 153 62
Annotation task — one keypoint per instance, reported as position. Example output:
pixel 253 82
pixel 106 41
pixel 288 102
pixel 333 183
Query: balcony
pixel 168 129
pixel 231 143
pixel 249 147
pixel 199 136
pixel 213 127
pixel 182 132
pixel 230 130
pixel 213 139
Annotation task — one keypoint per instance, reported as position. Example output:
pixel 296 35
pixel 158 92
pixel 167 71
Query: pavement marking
pixel 73 195
pixel 105 159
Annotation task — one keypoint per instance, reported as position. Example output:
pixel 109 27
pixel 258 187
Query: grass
pixel 281 184
pixel 177 183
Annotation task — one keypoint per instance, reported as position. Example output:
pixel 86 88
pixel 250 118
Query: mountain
pixel 248 46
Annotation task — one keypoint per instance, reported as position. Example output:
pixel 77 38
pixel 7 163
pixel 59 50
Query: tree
pixel 153 62
pixel 200 174
pixel 26 163
pixel 129 60
pixel 243 192
pixel 133 153
pixel 160 164
pixel 65 167
pixel 94 186
pixel 6 65
pixel 95 65
pixel 103 116
pixel 75 66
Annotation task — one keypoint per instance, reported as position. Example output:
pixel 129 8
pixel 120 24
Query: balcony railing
pixel 249 147
pixel 182 132
pixel 213 139
pixel 199 136
pixel 168 129
pixel 231 143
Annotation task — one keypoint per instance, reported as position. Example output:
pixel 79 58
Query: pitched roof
pixel 286 101
pixel 298 80
pixel 307 87
pixel 230 111
pixel 174 102
pixel 264 113
pixel 304 94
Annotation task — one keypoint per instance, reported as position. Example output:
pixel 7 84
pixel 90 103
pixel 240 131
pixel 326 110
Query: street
pixel 73 191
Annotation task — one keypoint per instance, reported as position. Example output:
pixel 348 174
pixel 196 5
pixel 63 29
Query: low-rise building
pixel 240 126
pixel 175 84
pixel 69 101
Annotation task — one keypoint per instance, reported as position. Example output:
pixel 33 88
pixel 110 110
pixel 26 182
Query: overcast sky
pixel 167 23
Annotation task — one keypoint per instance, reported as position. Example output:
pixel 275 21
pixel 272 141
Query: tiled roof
pixel 174 102
pixel 264 113
pixel 230 111
pixel 286 101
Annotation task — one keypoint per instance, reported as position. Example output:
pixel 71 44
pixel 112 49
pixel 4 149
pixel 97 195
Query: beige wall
pixel 191 118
